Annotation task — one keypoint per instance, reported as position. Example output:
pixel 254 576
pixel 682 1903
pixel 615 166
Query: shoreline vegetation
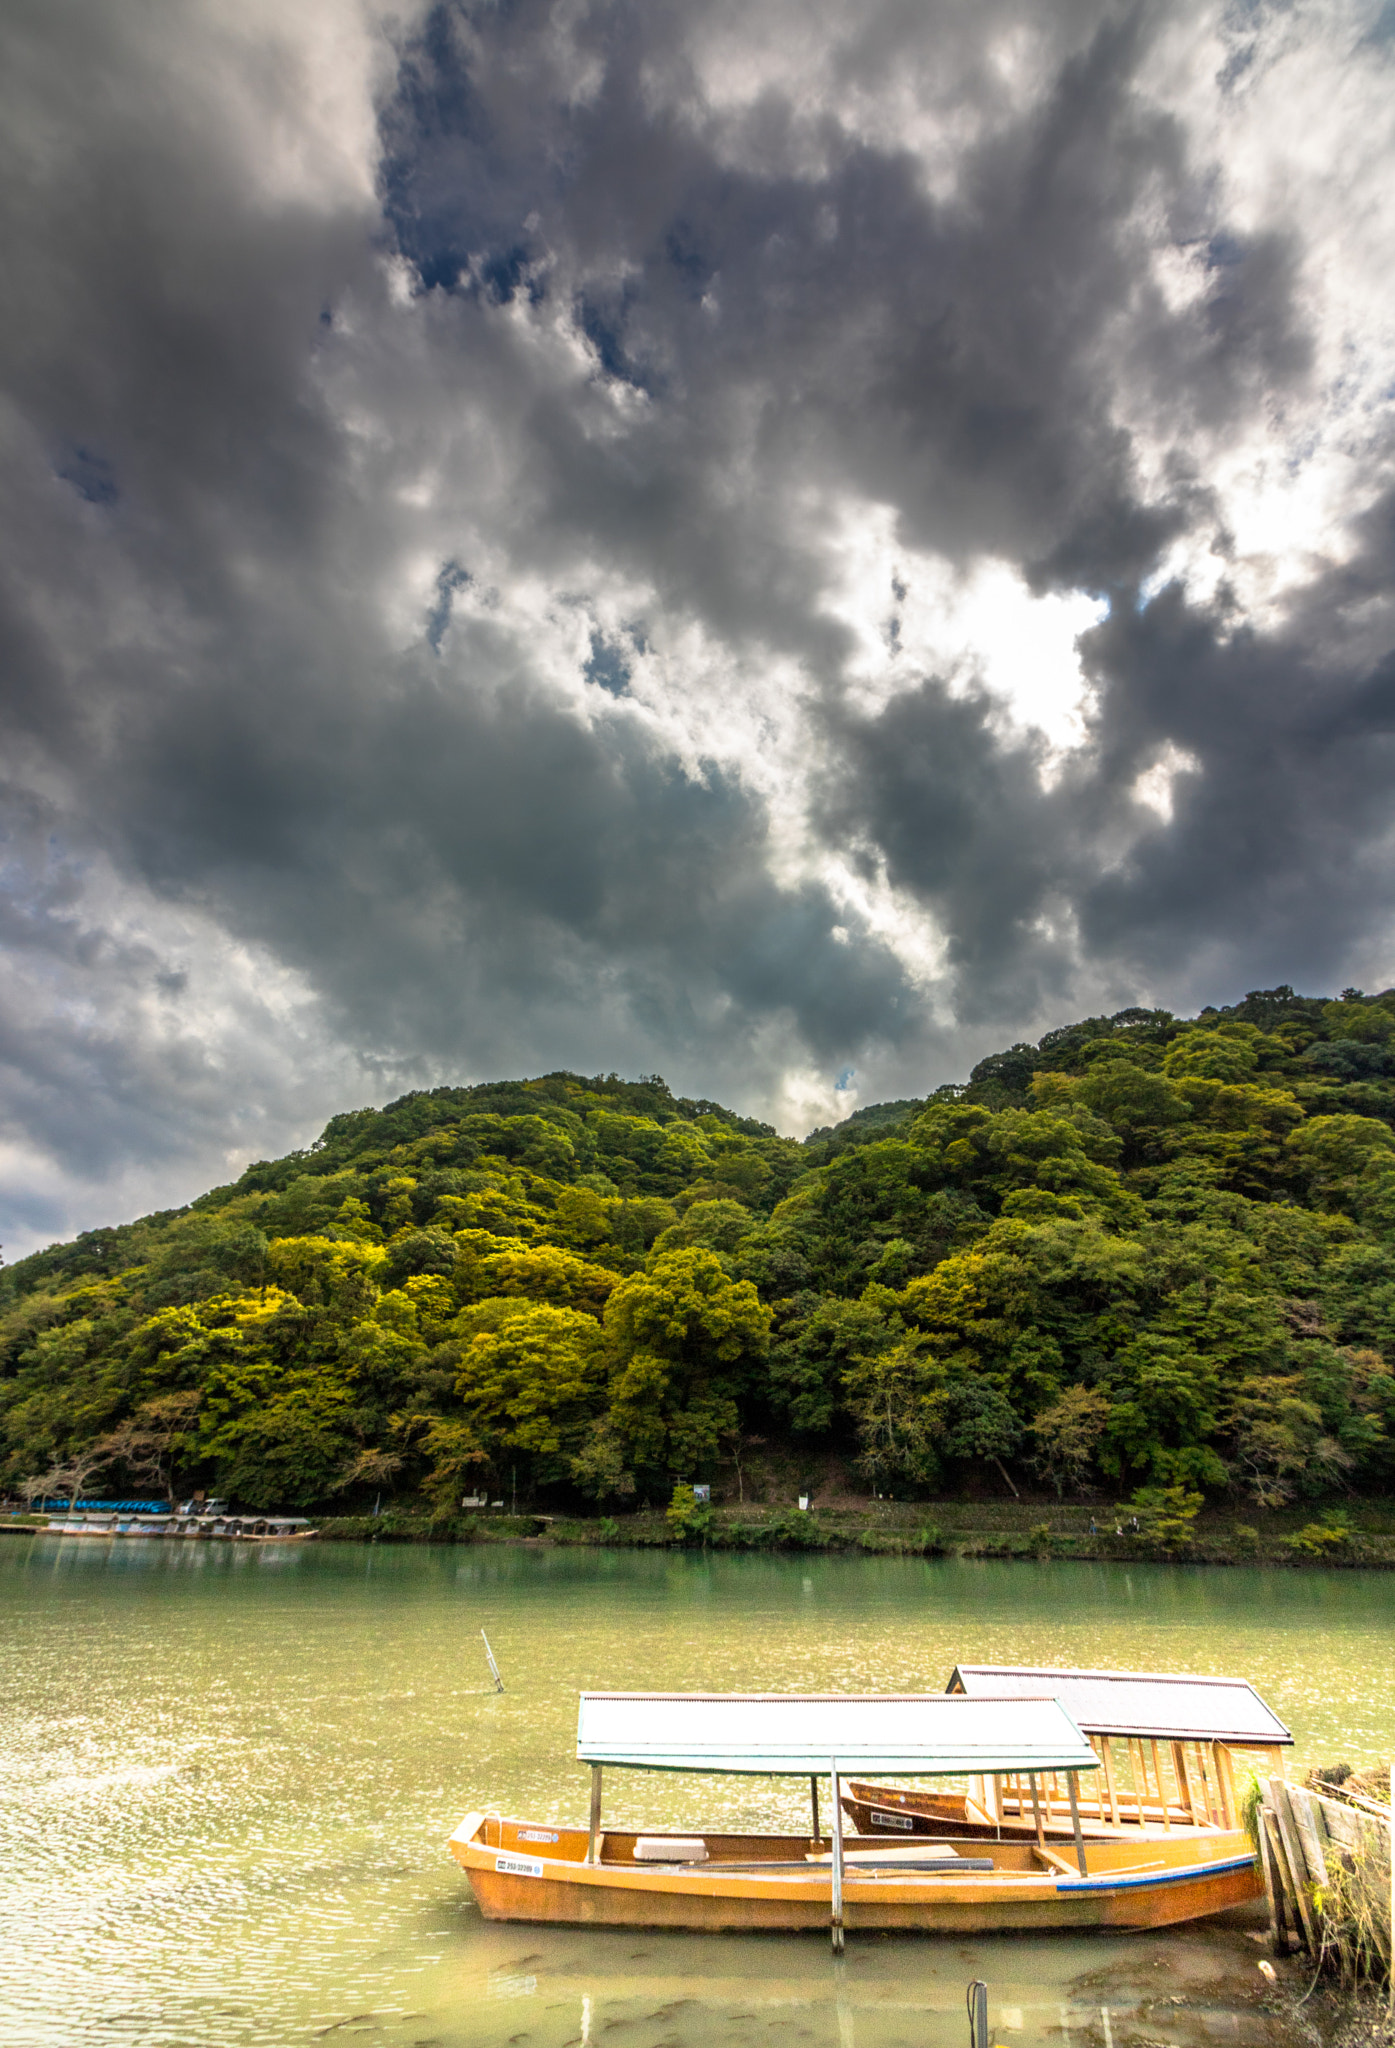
pixel 1144 1268
pixel 950 1528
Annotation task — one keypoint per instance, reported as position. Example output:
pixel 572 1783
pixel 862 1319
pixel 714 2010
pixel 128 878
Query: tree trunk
pixel 1003 1469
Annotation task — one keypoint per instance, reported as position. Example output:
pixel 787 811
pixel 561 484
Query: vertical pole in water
pixel 595 1812
pixel 836 1922
pixel 1073 1787
pixel 498 1681
pixel 814 1808
pixel 977 2002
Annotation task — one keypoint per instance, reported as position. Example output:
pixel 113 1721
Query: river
pixel 227 1775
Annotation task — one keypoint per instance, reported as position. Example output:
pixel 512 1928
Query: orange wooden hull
pixel 531 1873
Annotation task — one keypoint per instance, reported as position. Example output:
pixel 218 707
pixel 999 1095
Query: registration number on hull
pixel 518 1866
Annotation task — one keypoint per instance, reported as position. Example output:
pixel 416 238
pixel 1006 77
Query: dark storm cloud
pixel 467 862
pixel 424 635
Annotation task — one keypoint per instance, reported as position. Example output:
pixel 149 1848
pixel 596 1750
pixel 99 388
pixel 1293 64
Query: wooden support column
pixel 1036 1809
pixel 1215 1806
pixel 595 1813
pixel 1208 1790
pixel 1162 1788
pixel 1232 1797
pixel 1072 1778
pixel 1146 1793
pixel 814 1809
pixel 1106 1747
pixel 836 1919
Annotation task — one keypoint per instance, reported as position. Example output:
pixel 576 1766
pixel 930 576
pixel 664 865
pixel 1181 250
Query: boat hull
pixel 511 1880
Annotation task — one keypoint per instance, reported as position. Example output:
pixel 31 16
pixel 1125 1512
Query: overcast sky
pixel 784 543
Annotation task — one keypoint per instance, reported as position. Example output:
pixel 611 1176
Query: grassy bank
pixel 1360 1534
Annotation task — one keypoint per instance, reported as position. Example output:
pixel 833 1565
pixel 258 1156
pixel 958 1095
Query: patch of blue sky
pixel 453 577
pixel 453 197
pixel 607 667
pixel 91 476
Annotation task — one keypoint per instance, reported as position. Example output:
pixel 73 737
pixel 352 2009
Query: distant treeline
pixel 1147 1251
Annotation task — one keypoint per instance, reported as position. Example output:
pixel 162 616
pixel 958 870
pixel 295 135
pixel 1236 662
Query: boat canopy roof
pixel 802 1734
pixel 1162 1705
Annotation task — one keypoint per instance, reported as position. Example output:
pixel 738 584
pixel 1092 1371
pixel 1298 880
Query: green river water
pixel 227 1775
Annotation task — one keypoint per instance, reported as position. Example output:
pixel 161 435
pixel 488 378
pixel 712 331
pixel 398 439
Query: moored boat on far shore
pixel 215 1528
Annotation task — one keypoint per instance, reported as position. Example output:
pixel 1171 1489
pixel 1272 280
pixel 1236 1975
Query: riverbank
pixel 1331 2018
pixel 1360 1534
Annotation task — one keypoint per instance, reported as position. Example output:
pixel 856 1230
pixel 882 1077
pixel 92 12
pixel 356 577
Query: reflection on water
pixel 227 1775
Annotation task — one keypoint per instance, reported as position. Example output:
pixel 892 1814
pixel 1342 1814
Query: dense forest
pixel 1146 1252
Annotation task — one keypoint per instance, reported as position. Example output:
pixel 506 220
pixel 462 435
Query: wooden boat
pixel 946 1883
pixel 1167 1744
pixel 217 1528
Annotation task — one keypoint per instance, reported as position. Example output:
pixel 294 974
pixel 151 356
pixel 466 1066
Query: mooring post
pixel 498 1681
pixel 976 1999
pixel 595 1813
pixel 836 1921
pixel 1073 1787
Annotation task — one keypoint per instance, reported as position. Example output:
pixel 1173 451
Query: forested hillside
pixel 1145 1251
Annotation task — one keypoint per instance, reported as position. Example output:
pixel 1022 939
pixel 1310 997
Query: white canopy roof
pixel 1165 1705
pixel 799 1734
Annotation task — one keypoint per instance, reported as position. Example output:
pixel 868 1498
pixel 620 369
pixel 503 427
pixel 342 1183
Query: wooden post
pixel 1036 1809
pixel 595 1812
pixel 1105 1746
pixel 836 1922
pixel 1284 1915
pixel 1236 1819
pixel 814 1808
pixel 1298 1869
pixel 1140 1778
pixel 1072 1786
pixel 1270 1888
pixel 1211 1779
pixel 1162 1789
pixel 1208 1804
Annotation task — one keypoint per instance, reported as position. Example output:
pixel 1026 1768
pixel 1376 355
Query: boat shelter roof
pixel 802 1734
pixel 1158 1704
